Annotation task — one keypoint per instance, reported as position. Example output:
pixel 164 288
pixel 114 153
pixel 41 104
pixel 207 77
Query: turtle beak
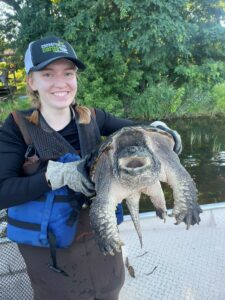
pixel 134 165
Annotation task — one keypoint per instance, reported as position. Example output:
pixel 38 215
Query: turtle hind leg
pixel 161 213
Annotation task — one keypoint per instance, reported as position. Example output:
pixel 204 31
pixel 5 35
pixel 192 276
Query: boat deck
pixel 175 263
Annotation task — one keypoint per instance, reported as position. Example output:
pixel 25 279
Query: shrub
pixel 218 94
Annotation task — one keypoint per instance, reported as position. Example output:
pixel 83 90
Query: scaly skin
pixel 103 222
pixel 186 208
pixel 155 192
pixel 132 202
pixel 123 170
pixel 102 212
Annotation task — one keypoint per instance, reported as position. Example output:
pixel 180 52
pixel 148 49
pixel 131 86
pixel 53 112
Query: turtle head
pixel 134 160
pixel 137 164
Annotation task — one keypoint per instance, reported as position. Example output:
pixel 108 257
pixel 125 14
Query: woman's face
pixel 56 84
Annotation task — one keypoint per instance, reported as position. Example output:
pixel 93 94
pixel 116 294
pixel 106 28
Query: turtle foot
pixel 161 214
pixel 109 245
pixel 189 217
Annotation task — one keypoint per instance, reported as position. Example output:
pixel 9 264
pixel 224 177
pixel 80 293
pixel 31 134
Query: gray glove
pixel 177 138
pixel 72 174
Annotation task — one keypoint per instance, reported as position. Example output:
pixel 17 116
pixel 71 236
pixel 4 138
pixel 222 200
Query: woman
pixel 57 181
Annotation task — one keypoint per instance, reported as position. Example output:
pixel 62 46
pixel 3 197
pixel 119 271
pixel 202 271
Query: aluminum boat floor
pixel 175 263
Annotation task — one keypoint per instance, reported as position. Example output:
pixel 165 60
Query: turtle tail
pixel 133 205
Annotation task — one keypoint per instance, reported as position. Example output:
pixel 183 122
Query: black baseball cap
pixel 42 52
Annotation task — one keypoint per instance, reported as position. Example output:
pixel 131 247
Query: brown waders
pixel 92 275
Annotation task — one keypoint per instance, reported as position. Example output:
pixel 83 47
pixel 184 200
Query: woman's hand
pixel 177 138
pixel 73 174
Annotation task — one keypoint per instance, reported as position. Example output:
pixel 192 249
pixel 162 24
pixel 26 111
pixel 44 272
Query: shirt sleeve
pixel 15 188
pixel 109 123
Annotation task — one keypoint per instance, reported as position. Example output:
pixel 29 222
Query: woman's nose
pixel 60 81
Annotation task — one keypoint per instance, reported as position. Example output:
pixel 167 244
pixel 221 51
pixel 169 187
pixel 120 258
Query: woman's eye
pixel 47 75
pixel 68 74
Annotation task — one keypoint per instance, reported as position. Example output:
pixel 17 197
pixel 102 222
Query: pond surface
pixel 203 156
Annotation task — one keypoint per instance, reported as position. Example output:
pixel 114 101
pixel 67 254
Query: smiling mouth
pixel 60 94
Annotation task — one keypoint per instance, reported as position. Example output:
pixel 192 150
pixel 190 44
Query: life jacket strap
pixel 24 225
pixel 52 246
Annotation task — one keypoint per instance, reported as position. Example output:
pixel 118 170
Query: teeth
pixel 60 94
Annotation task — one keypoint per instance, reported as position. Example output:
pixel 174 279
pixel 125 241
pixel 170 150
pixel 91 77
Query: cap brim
pixel 42 65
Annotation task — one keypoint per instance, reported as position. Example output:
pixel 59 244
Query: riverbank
pixel 20 101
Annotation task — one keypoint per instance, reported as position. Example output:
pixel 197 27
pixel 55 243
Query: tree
pixel 134 50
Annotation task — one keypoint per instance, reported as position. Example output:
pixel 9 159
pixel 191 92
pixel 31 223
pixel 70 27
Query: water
pixel 203 156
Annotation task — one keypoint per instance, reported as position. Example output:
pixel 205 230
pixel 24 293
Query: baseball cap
pixel 44 51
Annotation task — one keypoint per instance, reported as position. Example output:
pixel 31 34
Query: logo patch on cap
pixel 54 47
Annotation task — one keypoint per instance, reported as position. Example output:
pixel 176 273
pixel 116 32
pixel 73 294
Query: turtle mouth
pixel 134 165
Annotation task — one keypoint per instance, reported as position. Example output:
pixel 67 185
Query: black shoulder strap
pixel 89 135
pixel 18 118
pixel 50 144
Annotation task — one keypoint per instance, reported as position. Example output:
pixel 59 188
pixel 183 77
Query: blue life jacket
pixel 32 222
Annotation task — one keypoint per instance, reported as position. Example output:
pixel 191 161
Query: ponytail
pixel 84 114
pixel 34 96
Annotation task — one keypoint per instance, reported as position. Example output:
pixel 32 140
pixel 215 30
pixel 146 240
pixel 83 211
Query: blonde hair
pixel 83 112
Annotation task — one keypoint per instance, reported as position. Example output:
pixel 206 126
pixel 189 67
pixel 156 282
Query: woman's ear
pixel 31 82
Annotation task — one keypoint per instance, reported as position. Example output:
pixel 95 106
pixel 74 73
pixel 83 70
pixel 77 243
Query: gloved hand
pixel 177 138
pixel 73 174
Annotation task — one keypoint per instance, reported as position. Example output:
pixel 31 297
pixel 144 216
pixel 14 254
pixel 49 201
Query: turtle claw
pixel 108 245
pixel 189 217
pixel 161 214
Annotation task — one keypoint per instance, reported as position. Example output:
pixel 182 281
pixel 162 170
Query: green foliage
pixel 218 94
pixel 157 100
pixel 20 81
pixel 198 101
pixel 144 58
pixel 208 73
pixel 198 82
pixel 19 103
pixel 3 43
pixel 104 85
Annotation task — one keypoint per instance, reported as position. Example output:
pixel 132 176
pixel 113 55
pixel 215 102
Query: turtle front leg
pixel 102 212
pixel 186 208
pixel 155 192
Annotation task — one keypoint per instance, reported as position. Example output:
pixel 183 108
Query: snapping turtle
pixel 132 161
pixel 3 223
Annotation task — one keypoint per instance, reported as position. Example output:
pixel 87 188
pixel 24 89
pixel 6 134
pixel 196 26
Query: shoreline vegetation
pixel 20 101
pixel 144 60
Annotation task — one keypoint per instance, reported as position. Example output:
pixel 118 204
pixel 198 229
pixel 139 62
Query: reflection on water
pixel 203 156
pixel 219 159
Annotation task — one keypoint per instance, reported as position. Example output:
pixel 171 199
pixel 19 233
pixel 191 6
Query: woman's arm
pixel 16 189
pixel 108 123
